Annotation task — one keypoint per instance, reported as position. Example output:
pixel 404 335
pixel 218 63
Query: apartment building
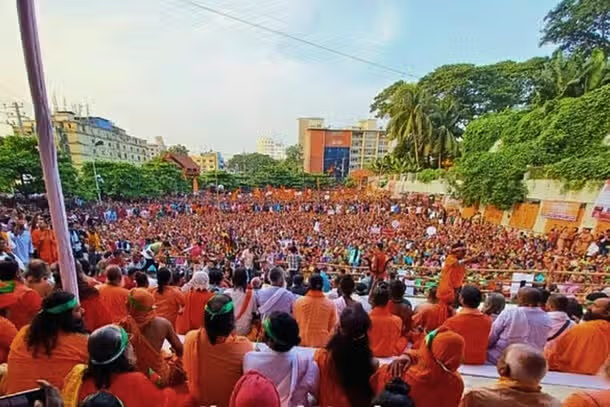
pixel 209 161
pixel 270 147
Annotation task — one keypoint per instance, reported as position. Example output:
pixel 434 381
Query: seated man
pixel 148 332
pixel 472 324
pixel 28 301
pixel 386 329
pixel 527 323
pixel 113 295
pixel 50 347
pixel 428 317
pixel 110 371
pixel 557 310
pixel 274 298
pixel 521 368
pixel 400 306
pixel 315 314
pixel 585 347
pixel 213 355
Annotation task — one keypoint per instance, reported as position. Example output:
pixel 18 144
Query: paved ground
pixel 560 392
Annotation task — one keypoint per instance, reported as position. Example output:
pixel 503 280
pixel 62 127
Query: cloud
pixel 165 68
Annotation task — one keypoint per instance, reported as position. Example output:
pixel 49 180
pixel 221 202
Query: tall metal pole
pixel 97 183
pixel 46 142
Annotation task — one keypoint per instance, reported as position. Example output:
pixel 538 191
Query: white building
pixel 270 147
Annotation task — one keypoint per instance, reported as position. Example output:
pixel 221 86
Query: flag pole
pixel 46 142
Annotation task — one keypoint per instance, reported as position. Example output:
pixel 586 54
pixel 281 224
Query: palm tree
pixel 447 119
pixel 410 122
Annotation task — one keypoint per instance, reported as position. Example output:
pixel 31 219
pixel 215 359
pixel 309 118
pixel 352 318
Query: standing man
pixel 44 242
pixel 22 239
pixel 247 259
pixel 293 261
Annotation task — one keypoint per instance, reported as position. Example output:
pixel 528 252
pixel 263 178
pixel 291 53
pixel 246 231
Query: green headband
pixel 61 308
pixel 134 303
pixel 124 343
pixel 430 337
pixel 269 332
pixel 7 288
pixel 228 307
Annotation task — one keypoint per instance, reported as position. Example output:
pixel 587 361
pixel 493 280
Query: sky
pixel 170 68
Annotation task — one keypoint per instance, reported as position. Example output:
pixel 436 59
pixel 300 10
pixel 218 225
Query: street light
pixel 97 181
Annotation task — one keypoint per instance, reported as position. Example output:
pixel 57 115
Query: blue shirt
pixel 23 246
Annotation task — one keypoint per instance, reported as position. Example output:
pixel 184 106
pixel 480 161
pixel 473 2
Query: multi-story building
pixel 92 138
pixel 339 151
pixel 270 147
pixel 209 161
pixel 155 149
pixel 308 123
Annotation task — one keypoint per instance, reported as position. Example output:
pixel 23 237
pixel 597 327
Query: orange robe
pixel 27 305
pixel 385 333
pixel 147 357
pixel 431 385
pixel 474 327
pixel 582 349
pixel 588 399
pixel 428 318
pixel 169 303
pixel 330 392
pixel 192 315
pixel 24 369
pixel 7 334
pixel 316 316
pixel 45 244
pixel 96 313
pixel 115 300
pixel 213 370
pixel 405 314
pixel 134 389
pixel 452 278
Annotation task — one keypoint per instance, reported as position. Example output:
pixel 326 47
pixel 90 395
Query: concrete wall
pixel 538 190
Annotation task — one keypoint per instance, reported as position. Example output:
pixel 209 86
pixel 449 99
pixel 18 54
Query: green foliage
pixel 21 170
pixel 565 136
pixel 429 174
pixel 578 26
pixel 250 162
pixel 393 164
pixel 178 149
pixel 294 158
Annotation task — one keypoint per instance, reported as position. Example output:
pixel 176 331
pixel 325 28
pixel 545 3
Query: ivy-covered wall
pixel 564 136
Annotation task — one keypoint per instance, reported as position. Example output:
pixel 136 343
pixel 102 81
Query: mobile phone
pixel 22 399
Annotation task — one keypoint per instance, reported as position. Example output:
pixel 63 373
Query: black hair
pixel 37 270
pixel 8 270
pixel 240 279
pixel 216 276
pixel 559 301
pixel 471 296
pixel 395 394
pixel 347 285
pixel 574 309
pixel 218 325
pixel 590 297
pixel 103 344
pixel 397 289
pixel 276 274
pixel 101 399
pixel 298 279
pixel 164 276
pixel 141 279
pixel 381 295
pixel 45 327
pixel 285 330
pixel 351 356
pixel 316 282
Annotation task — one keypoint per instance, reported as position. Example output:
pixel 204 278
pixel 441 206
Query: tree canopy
pixel 178 149
pixel 578 26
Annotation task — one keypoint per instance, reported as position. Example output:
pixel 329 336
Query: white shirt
pixel 294 375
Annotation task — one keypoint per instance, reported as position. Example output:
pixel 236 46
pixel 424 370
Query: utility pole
pixel 16 108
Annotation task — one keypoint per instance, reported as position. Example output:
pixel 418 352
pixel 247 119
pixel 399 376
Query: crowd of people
pixel 249 301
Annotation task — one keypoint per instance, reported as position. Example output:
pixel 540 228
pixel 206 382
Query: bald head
pixel 522 363
pixel 529 297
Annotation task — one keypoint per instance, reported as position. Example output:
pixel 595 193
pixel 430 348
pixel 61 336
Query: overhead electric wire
pixel 298 39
